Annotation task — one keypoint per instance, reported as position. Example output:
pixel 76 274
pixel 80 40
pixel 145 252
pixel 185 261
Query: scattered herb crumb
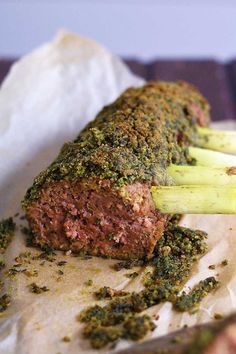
pixel 187 302
pixel 218 316
pixel 137 327
pixel 36 289
pixel 174 256
pixel 89 282
pixel 7 229
pixel 128 264
pixel 2 264
pixel 61 263
pixel 30 273
pixel 224 263
pixel 5 301
pixel 212 266
pixel 48 254
pixel 132 275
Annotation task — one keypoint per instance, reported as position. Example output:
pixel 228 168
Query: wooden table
pixel 215 80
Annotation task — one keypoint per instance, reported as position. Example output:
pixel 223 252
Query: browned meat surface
pixel 95 196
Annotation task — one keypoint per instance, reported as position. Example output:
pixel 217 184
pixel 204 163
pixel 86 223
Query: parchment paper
pixel 46 99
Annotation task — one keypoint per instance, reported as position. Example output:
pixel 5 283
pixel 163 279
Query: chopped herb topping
pixel 224 263
pixel 132 275
pixel 5 301
pixel 212 266
pixel 61 263
pixel 2 264
pixel 7 229
pixel 187 302
pixel 174 257
pixel 89 282
pixel 128 264
pixel 47 254
pixel 137 327
pixel 30 273
pixel 36 289
pixel 30 237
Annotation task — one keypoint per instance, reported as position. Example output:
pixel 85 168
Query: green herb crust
pixel 174 257
pixel 133 139
pixel 36 289
pixel 5 301
pixel 7 228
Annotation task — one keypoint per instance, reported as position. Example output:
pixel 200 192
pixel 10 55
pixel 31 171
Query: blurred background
pixel 145 29
pixel 193 40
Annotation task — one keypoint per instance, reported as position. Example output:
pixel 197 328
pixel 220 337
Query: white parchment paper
pixel 46 99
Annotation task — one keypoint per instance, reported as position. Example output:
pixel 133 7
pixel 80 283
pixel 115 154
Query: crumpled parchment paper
pixel 46 99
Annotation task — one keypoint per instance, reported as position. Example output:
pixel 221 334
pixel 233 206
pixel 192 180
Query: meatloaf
pixel 95 196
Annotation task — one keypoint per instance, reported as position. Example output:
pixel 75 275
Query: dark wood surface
pixel 215 80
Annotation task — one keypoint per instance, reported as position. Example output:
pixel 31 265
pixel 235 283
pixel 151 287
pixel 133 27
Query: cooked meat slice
pixel 95 196
pixel 91 216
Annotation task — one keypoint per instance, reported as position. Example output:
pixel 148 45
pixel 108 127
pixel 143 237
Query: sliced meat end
pixel 92 216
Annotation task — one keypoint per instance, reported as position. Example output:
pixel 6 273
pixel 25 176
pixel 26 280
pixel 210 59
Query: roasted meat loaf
pixel 95 196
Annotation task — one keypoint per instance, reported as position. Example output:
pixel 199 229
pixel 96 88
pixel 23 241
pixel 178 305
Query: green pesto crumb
pixel 132 275
pixel 5 301
pixel 36 289
pixel 174 256
pixel 89 282
pixel 7 229
pixel 188 301
pixel 133 139
pixel 61 263
pixel 30 272
pixel 212 266
pixel 2 264
pixel 224 263
pixel 128 264
pixel 137 327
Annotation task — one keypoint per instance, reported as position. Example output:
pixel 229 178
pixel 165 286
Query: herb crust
pixel 133 139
